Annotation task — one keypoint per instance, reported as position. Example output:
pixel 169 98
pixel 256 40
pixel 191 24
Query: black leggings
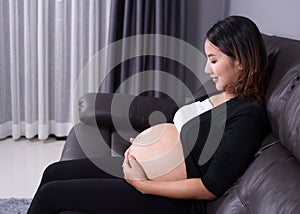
pixel 79 185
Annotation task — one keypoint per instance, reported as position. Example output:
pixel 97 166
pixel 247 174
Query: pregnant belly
pixel 159 151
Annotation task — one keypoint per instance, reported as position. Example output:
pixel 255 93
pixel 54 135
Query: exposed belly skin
pixel 159 151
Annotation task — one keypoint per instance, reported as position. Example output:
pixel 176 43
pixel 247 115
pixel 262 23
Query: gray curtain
pixel 129 18
pixel 44 45
pixel 186 21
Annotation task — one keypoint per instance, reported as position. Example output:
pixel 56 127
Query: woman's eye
pixel 213 61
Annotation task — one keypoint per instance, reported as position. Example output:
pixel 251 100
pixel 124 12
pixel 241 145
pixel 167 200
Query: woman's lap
pixel 105 196
pixel 79 185
pixel 80 169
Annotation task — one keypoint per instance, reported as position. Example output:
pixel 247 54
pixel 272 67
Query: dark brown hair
pixel 239 38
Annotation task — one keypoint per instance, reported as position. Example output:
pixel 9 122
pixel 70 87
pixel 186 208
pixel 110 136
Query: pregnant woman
pixel 159 150
pixel 162 172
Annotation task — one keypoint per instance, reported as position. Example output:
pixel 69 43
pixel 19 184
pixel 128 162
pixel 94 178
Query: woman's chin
pixel 219 87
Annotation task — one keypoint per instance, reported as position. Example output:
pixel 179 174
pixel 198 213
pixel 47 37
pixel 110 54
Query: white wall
pixel 273 17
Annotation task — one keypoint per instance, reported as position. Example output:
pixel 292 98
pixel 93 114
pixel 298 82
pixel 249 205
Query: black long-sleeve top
pixel 231 134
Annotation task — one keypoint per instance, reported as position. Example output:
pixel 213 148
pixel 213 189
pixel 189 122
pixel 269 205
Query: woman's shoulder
pixel 247 107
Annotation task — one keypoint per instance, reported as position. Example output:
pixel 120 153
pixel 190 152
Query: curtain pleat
pixel 130 18
pixel 44 46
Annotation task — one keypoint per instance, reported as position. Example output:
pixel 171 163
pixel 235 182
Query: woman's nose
pixel 207 68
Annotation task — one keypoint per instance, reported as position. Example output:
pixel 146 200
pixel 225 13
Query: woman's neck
pixel 220 98
pixel 228 96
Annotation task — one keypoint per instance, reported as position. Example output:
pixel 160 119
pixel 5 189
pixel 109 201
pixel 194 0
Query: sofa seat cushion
pixel 86 141
pixel 270 185
pixel 120 142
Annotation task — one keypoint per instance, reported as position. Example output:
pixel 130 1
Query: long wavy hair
pixel 239 38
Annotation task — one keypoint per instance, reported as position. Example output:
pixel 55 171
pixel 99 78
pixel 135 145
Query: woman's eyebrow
pixel 210 55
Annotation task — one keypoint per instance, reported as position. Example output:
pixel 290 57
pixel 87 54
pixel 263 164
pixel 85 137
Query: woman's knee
pixel 51 173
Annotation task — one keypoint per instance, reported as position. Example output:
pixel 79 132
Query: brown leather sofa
pixel 271 184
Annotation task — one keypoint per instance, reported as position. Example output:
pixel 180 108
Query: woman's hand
pixel 132 170
pixel 127 152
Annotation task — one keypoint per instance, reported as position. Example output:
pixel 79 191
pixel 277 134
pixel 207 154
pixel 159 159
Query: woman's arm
pixel 181 189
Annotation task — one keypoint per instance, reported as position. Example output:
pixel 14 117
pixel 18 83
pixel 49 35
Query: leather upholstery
pixel 282 98
pixel 111 110
pixel 270 185
pixel 289 129
pixel 272 182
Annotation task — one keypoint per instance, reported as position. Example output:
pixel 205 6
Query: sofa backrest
pixel 283 92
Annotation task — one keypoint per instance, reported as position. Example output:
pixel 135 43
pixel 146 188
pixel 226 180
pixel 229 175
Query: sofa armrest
pixel 109 110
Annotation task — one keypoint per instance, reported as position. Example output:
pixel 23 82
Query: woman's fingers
pixel 132 170
pixel 126 154
pixel 131 139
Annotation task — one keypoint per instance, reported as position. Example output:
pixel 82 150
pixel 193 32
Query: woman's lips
pixel 214 79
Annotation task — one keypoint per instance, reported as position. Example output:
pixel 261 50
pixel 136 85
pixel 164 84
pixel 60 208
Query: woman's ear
pixel 239 65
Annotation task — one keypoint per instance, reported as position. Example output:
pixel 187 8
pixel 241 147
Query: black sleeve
pixel 241 139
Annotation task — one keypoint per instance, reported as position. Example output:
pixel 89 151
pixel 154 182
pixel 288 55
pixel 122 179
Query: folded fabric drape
pixel 44 45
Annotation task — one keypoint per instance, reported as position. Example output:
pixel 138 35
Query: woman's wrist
pixel 140 185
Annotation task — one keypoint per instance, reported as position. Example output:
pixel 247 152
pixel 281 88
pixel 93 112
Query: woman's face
pixel 221 68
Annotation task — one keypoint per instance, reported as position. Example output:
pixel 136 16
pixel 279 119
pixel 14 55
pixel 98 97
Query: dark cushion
pixel 120 142
pixel 123 111
pixel 270 185
pixel 282 97
pixel 87 141
pixel 289 128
